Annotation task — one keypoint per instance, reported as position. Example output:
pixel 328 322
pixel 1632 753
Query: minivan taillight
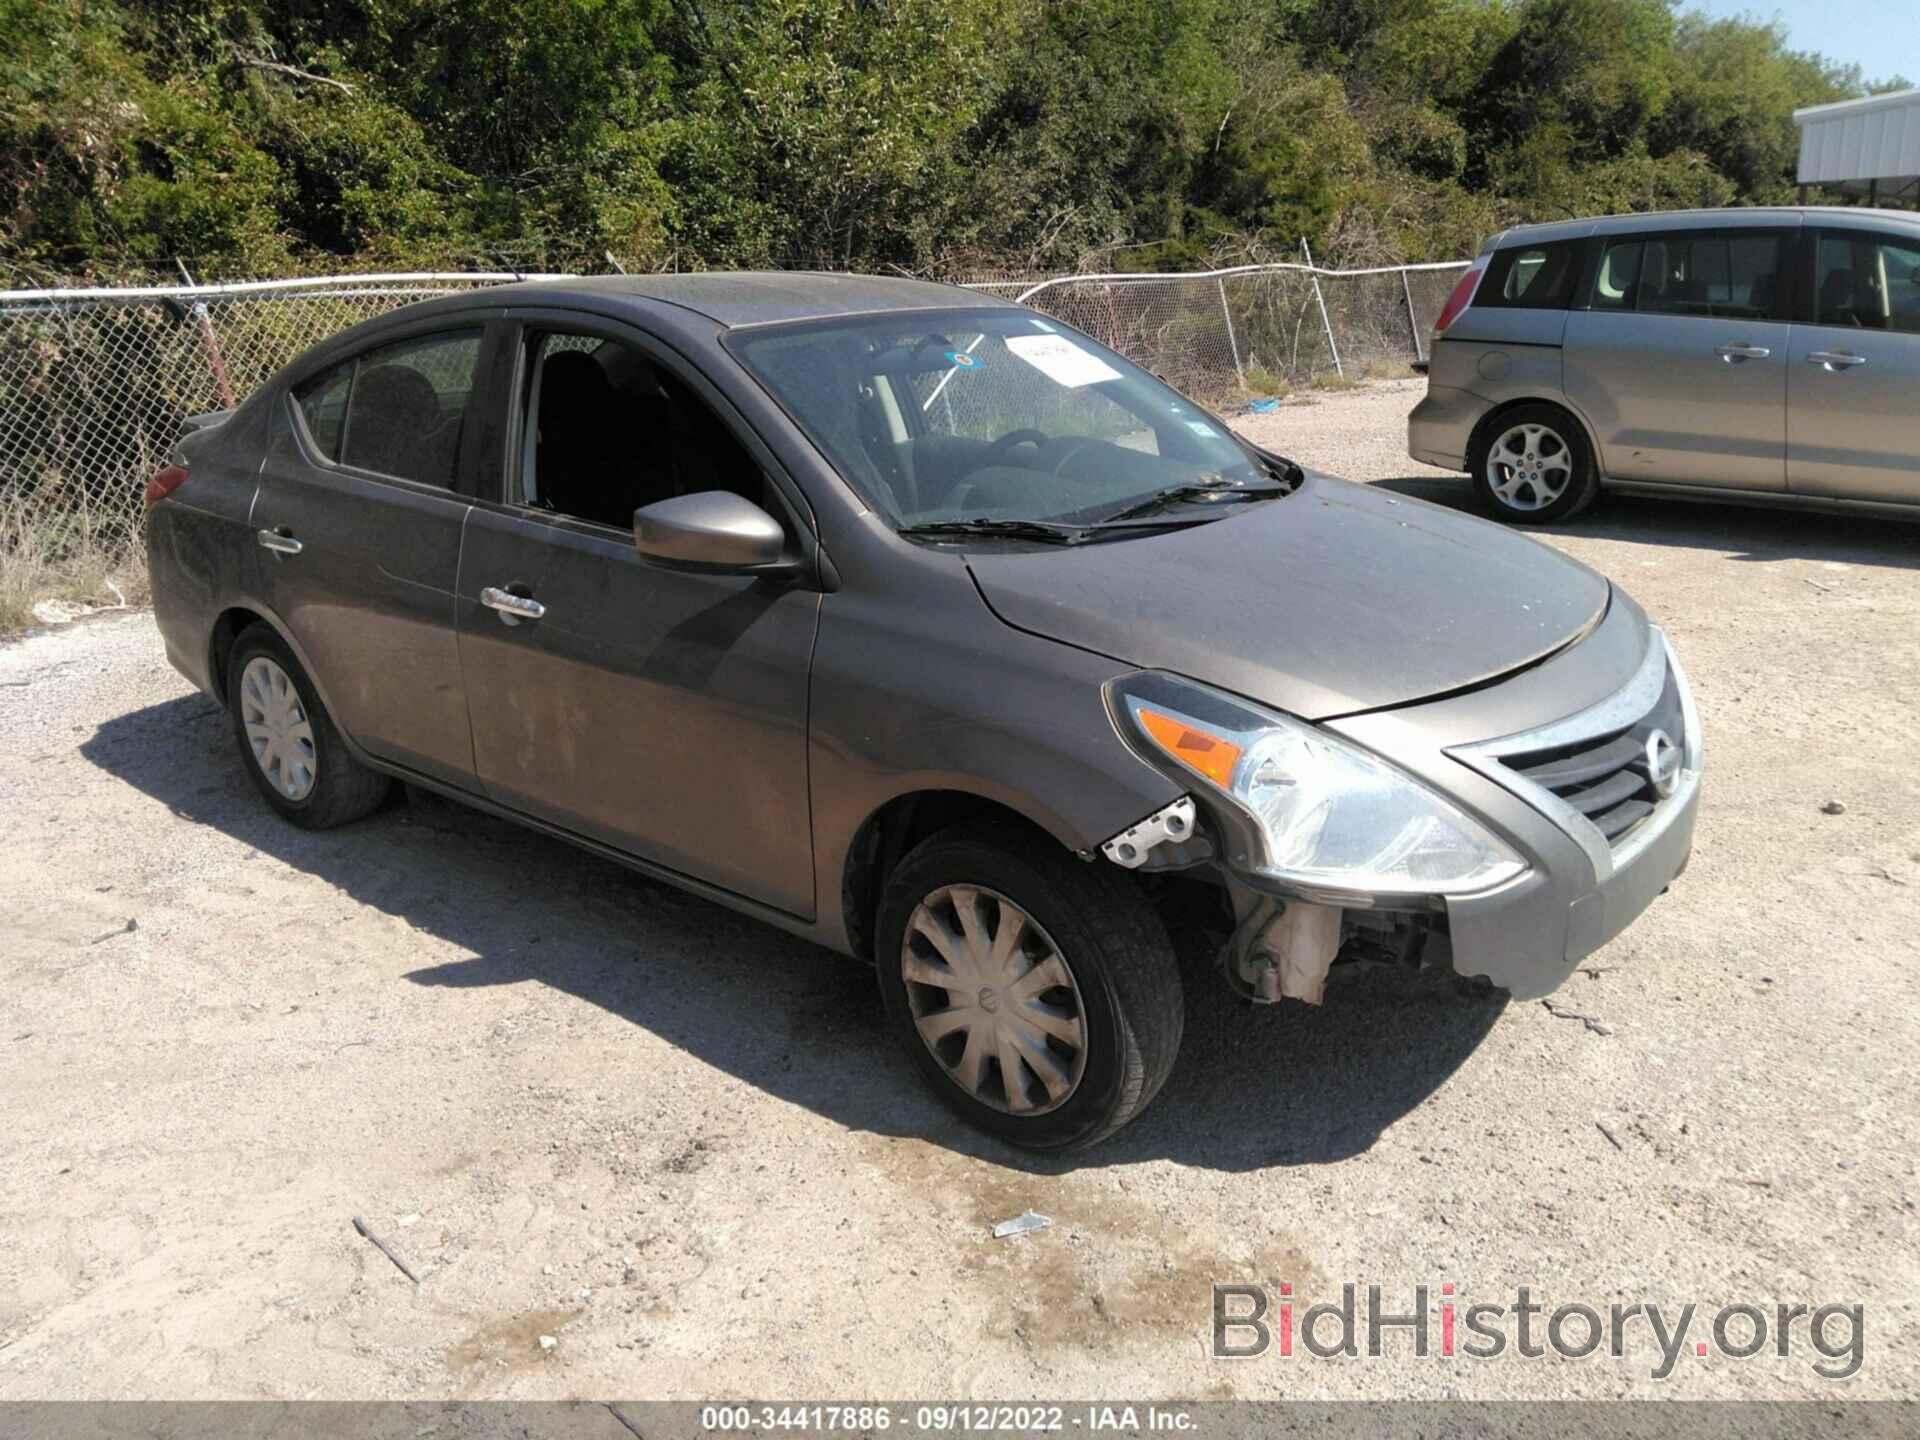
pixel 164 483
pixel 1461 297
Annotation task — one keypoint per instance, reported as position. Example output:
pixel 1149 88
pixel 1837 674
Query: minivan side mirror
pixel 715 530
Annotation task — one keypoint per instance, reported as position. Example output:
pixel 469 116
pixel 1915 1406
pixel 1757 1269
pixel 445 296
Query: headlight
pixel 1328 814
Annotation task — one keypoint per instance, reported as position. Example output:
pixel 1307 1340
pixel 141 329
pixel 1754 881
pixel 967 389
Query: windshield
pixel 989 415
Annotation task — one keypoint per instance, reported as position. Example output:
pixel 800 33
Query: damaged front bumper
pixel 1600 803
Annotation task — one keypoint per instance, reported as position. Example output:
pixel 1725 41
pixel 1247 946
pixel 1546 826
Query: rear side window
pixel 397 410
pixel 323 404
pixel 1868 282
pixel 1530 277
pixel 1618 278
pixel 1711 276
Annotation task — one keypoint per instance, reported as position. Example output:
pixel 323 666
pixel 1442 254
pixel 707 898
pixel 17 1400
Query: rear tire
pixel 1084 1002
pixel 288 742
pixel 1532 466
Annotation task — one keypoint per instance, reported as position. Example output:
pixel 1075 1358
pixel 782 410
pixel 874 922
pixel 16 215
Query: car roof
pixel 733 298
pixel 1729 218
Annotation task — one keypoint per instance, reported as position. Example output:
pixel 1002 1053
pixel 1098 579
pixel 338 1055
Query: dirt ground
pixel 584 1106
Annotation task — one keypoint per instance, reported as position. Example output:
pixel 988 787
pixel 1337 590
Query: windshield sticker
pixel 1202 429
pixel 961 360
pixel 1061 361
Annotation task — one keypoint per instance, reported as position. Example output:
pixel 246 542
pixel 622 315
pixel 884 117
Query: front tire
pixel 288 742
pixel 1531 466
pixel 1038 995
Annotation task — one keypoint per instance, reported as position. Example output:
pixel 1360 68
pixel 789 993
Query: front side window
pixel 994 414
pixel 609 431
pixel 1867 282
pixel 1710 276
pixel 396 410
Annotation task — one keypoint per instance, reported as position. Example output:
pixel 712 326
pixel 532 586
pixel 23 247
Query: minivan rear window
pixel 1530 277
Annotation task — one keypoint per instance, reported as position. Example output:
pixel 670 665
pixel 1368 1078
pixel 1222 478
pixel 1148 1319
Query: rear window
pixel 1530 277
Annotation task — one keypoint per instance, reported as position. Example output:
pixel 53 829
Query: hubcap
pixel 277 728
pixel 1529 467
pixel 993 1000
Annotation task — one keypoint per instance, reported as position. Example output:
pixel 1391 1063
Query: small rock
pixel 407 1222
pixel 1833 807
pixel 547 1342
pixel 546 1269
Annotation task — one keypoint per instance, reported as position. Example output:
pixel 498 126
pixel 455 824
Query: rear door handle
pixel 280 542
pixel 1835 359
pixel 512 608
pixel 1740 350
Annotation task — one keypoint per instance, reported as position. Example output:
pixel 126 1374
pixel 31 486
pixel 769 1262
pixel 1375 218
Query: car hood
pixel 1335 599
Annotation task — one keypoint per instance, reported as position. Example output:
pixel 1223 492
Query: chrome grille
pixel 1606 777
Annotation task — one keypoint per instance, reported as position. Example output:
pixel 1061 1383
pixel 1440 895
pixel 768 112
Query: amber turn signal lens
pixel 1209 754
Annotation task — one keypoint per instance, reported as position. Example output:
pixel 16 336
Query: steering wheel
pixel 1013 439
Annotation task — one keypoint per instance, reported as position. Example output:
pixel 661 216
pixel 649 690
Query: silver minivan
pixel 1748 355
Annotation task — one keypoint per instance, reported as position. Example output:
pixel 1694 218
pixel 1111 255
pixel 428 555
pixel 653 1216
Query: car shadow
pixel 1756 533
pixel 1254 1086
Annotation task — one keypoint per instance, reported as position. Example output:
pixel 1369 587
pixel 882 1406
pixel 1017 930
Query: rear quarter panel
pixel 198 542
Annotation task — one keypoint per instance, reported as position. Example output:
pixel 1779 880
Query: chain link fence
pixel 1226 333
pixel 95 385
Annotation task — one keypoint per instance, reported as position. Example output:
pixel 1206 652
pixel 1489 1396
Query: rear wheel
pixel 288 742
pixel 1037 994
pixel 1531 465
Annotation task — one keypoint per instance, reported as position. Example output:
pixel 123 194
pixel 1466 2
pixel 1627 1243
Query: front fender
pixel 903 704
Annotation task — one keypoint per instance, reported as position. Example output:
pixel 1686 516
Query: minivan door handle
pixel 1835 359
pixel 280 541
pixel 1740 350
pixel 512 608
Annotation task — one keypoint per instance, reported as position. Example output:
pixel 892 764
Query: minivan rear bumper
pixel 1441 426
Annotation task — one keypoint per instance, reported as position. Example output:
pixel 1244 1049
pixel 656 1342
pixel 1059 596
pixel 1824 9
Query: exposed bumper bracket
pixel 1131 847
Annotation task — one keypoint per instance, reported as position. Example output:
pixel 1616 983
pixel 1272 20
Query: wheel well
pixel 1500 412
pixel 226 630
pixel 893 830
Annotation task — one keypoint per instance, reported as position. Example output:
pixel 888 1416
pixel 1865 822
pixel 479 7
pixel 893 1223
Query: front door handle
pixel 1835 359
pixel 280 541
pixel 511 607
pixel 1740 350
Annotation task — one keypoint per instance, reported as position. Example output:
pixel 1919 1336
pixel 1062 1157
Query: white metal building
pixel 1865 147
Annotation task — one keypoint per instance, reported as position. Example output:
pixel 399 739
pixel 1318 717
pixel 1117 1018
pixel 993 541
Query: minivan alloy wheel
pixel 1529 466
pixel 993 1000
pixel 277 728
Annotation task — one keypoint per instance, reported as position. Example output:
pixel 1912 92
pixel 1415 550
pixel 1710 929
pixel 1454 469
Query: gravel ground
pixel 584 1106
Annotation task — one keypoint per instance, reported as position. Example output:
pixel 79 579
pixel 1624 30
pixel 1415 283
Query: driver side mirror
pixel 715 531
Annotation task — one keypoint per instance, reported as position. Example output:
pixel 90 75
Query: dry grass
pixel 37 566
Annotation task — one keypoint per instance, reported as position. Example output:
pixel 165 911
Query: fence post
pixel 1314 275
pixel 1413 323
pixel 1232 344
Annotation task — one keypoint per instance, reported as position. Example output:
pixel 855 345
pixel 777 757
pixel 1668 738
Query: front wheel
pixel 1037 994
pixel 1531 466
